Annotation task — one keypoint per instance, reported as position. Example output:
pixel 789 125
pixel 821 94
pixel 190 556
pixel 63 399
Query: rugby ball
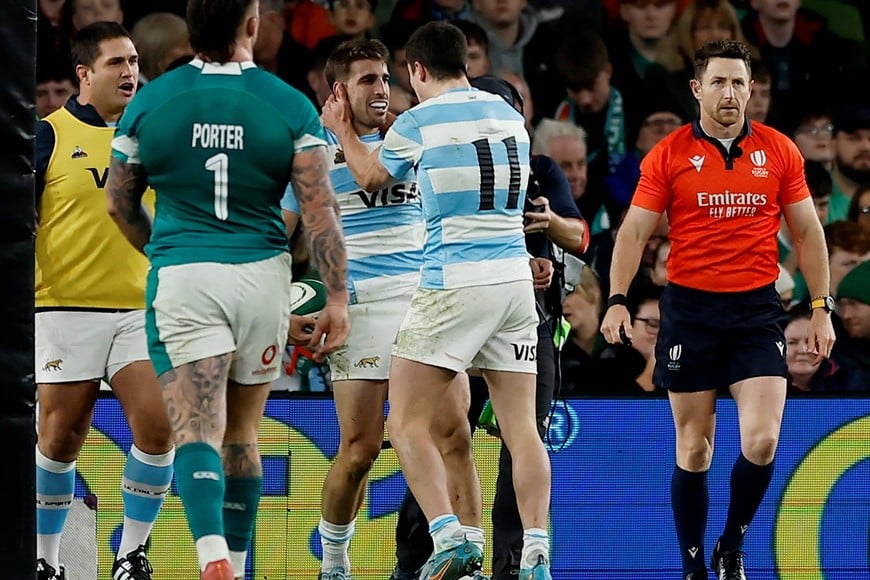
pixel 307 296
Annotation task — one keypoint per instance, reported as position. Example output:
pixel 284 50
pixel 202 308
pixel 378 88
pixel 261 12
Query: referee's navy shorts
pixel 710 340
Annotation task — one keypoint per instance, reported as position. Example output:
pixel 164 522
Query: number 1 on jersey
pixel 220 165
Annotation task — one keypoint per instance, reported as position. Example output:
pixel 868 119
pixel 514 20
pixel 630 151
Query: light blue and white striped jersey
pixel 471 152
pixel 383 230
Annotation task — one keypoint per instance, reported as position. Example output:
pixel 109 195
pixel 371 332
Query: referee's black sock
pixel 749 483
pixel 690 501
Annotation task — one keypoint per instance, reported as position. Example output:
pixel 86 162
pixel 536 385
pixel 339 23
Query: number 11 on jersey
pixel 220 165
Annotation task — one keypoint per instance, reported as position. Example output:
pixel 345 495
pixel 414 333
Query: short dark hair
pixel 580 59
pixel 53 66
pixel 348 52
pixel 441 48
pixel 85 45
pixel 818 179
pixel 733 49
pixel 213 25
pixel 474 33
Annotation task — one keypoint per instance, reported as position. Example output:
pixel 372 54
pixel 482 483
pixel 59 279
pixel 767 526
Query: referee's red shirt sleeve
pixel 794 182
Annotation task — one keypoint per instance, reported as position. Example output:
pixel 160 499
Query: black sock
pixel 690 501
pixel 749 483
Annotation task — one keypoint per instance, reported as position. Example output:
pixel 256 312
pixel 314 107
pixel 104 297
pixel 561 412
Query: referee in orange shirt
pixel 724 182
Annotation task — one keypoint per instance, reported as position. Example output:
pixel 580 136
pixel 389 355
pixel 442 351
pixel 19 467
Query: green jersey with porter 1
pixel 217 143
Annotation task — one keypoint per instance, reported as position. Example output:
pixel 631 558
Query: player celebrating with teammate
pixel 474 306
pixel 384 236
pixel 725 182
pixel 219 139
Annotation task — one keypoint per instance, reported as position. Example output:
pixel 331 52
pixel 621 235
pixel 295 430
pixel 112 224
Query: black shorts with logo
pixel 710 340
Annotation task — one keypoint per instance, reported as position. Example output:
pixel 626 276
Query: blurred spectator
pixel 308 22
pixel 820 186
pixel 758 107
pixel 628 370
pixel 851 156
pixel 277 51
pixel 853 302
pixel 84 12
pixel 803 375
pixel 352 18
pixel 565 144
pixel 859 209
pixel 814 134
pixel 634 47
pixel 521 42
pixel 52 11
pixel 700 22
pixel 161 39
pixel 800 53
pixel 582 308
pixel 396 34
pixel 55 83
pixel 657 121
pixel 852 348
pixel 423 11
pixel 53 28
pixel 523 89
pixel 594 104
pixel 848 245
pixel 571 15
pixel 658 274
pixel 478 48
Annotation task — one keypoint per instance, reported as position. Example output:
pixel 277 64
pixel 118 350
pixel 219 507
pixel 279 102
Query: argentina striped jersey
pixel 471 151
pixel 383 230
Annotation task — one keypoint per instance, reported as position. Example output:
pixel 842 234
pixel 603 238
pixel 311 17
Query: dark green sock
pixel 199 477
pixel 241 498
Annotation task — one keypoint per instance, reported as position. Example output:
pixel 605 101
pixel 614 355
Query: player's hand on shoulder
pixel 330 330
pixel 821 335
pixel 336 114
pixel 616 326
pixel 301 328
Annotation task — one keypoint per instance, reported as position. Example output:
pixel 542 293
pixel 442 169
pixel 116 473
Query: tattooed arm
pixel 126 184
pixel 322 226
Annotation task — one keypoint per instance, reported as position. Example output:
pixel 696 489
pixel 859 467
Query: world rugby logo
pixel 674 353
pixel 758 158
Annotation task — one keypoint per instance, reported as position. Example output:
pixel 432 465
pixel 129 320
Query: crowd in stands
pixel 603 82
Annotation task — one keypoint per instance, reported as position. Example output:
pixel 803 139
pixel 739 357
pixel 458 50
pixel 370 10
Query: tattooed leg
pixel 196 402
pixel 242 467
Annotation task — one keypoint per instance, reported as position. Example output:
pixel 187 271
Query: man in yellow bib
pixel 90 300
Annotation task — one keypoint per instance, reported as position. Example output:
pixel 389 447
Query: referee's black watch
pixel 826 302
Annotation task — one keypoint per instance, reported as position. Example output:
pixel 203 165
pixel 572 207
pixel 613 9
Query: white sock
pixel 211 548
pixel 48 548
pixel 536 542
pixel 446 532
pixel 334 538
pixel 475 536
pixel 238 559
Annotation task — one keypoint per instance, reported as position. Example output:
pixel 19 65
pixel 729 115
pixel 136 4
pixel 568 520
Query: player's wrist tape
pixel 619 299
